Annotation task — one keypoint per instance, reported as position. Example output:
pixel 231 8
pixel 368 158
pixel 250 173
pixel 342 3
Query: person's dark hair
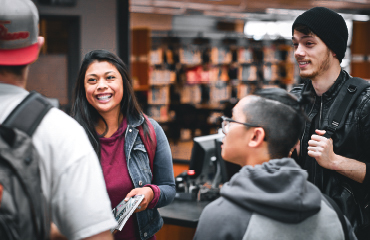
pixel 16 70
pixel 280 115
pixel 87 115
pixel 303 29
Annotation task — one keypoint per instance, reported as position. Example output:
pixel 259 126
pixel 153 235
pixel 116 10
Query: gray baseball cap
pixel 18 32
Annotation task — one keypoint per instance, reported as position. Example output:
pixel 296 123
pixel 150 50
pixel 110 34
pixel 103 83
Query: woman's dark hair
pixel 87 115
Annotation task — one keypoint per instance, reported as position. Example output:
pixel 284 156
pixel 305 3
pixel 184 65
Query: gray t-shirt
pixel 71 176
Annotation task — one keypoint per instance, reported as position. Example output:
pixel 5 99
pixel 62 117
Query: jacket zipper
pixel 315 163
pixel 304 131
pixel 320 113
pixel 350 192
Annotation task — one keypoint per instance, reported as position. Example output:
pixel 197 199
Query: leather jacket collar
pixel 333 90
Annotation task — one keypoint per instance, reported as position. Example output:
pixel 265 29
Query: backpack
pixel 340 216
pixel 149 144
pixel 23 210
pixel 338 188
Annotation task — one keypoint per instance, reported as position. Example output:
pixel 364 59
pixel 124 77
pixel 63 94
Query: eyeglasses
pixel 226 124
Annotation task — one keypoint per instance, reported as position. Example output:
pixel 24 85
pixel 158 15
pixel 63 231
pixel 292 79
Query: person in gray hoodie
pixel 270 197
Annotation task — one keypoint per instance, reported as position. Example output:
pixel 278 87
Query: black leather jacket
pixel 351 141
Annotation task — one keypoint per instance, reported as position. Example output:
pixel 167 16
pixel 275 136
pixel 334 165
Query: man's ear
pixel 333 53
pixel 40 42
pixel 257 137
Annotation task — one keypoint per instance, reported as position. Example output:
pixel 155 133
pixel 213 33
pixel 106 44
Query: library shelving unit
pixel 190 81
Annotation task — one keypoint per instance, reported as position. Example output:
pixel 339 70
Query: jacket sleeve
pixel 351 232
pixel 364 125
pixel 163 175
pixel 297 92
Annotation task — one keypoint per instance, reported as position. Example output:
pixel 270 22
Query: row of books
pixel 159 95
pixel 190 93
pixel 200 75
pixel 245 72
pixel 160 113
pixel 160 76
pixel 249 72
pixel 192 55
pixel 219 92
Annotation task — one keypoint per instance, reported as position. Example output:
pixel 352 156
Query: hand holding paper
pixel 148 197
pixel 124 210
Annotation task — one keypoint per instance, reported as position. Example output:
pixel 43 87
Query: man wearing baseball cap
pixel 338 165
pixel 71 177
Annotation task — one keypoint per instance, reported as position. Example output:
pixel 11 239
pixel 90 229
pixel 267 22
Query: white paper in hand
pixel 124 210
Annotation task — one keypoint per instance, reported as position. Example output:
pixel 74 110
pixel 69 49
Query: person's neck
pixel 113 121
pixel 324 81
pixel 257 157
pixel 9 78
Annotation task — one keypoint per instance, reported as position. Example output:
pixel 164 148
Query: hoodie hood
pixel 277 189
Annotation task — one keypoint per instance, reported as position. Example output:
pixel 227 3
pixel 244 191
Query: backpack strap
pixel 26 117
pixel 340 215
pixel 351 89
pixel 29 113
pixel 149 144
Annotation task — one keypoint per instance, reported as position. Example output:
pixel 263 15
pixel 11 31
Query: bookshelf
pixel 188 80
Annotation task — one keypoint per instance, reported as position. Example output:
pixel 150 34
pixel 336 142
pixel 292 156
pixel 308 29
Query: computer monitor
pixel 203 158
pixel 207 162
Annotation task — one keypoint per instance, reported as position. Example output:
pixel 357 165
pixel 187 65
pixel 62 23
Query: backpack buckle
pixel 351 88
pixel 335 124
pixel 330 130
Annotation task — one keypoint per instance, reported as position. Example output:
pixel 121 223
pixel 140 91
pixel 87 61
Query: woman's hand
pixel 148 197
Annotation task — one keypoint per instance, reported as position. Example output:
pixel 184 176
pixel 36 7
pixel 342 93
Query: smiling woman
pixel 104 89
pixel 124 138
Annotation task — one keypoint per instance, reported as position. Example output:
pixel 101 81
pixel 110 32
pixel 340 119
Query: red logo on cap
pixel 5 35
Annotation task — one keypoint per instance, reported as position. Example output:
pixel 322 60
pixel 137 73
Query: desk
pixel 183 213
pixel 180 219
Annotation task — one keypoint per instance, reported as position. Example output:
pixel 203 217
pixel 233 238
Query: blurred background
pixel 190 60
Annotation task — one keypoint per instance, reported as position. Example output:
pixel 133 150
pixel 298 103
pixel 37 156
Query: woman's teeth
pixel 105 97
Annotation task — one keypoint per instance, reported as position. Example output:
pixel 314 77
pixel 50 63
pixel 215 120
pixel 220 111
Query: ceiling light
pixel 362 18
pixel 282 11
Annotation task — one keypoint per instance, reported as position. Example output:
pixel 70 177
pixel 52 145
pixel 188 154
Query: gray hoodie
pixel 270 201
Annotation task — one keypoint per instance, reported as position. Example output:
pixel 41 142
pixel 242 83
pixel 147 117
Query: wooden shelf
pixel 141 88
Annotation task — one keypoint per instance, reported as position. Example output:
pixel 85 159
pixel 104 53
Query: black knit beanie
pixel 329 26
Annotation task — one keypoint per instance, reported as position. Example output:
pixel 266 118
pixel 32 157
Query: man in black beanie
pixel 338 164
